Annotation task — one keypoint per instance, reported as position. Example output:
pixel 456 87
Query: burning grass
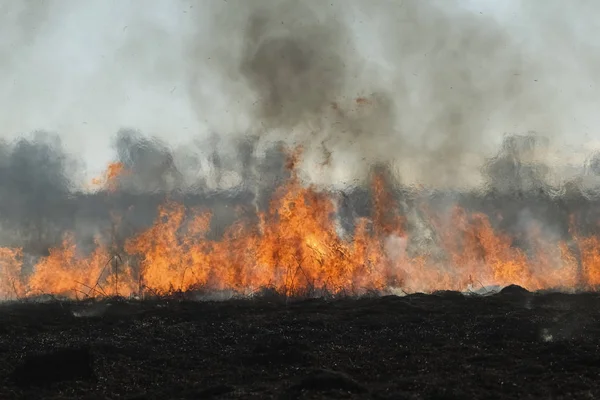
pixel 296 248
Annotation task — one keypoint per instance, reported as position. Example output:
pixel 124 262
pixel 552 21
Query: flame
pixel 295 248
pixel 11 262
pixel 110 179
pixel 65 272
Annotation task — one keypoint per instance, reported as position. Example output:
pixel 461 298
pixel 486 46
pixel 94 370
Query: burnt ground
pixel 440 346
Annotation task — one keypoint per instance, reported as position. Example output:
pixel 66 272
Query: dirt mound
pixel 449 294
pixel 514 290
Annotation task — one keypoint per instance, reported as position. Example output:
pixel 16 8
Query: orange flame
pixel 109 180
pixel 296 249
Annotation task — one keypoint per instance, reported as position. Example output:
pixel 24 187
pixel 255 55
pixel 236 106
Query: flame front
pixel 295 248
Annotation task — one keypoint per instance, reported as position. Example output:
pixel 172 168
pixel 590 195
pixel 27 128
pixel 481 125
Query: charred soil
pixel 509 345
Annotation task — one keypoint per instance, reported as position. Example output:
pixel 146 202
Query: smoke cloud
pixel 438 83
pixel 430 88
pixel 194 97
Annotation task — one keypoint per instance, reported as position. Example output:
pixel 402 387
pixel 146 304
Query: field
pixel 446 345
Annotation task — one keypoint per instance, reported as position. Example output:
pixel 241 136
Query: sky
pixel 84 70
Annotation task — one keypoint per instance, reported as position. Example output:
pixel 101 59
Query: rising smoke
pixel 426 89
pixel 429 104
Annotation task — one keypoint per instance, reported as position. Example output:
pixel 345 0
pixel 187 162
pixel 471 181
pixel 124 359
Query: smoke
pixel 197 96
pixel 149 164
pixel 429 88
pixel 438 83
pixel 294 62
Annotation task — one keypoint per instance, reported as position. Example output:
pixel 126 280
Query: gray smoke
pixel 148 164
pixel 439 82
pixel 215 90
pixel 434 102
pixel 33 188
pixel 294 62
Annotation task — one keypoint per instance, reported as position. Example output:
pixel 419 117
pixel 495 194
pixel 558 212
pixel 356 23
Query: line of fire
pixel 299 239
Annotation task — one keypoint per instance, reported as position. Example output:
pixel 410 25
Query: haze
pixel 446 80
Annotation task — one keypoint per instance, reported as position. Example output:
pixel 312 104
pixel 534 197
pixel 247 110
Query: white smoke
pixel 170 69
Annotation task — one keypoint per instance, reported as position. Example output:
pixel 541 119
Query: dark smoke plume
pixel 294 61
pixel 34 189
pixel 448 74
pixel 149 164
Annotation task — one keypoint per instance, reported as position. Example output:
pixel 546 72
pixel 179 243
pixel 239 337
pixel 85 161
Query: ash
pixel 512 344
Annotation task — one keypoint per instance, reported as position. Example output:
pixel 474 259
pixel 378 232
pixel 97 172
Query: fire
pixel 109 180
pixel 296 248
pixel 10 271
pixel 65 272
